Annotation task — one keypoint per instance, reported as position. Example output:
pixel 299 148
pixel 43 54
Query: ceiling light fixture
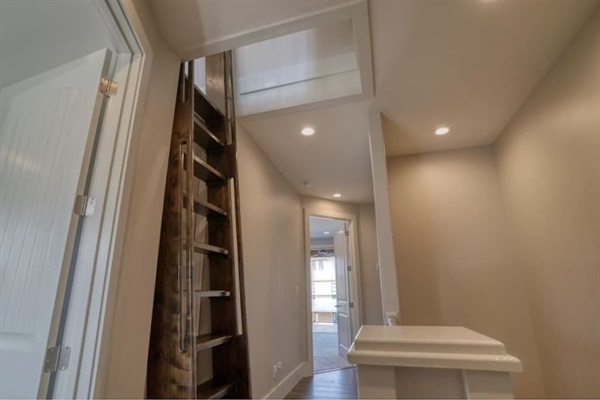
pixel 308 131
pixel 326 233
pixel 442 131
pixel 337 195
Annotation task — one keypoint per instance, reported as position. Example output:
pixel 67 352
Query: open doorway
pixel 330 294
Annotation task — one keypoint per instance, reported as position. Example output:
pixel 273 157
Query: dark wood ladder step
pixel 213 389
pixel 204 107
pixel 207 173
pixel 208 249
pixel 213 293
pixel 205 208
pixel 210 340
pixel 204 137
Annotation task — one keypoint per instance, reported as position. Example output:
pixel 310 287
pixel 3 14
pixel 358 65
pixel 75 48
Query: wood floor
pixel 339 384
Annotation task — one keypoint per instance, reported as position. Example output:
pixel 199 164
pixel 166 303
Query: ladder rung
pixel 213 293
pixel 205 208
pixel 210 340
pixel 213 389
pixel 207 173
pixel 210 249
pixel 205 108
pixel 204 136
pixel 207 249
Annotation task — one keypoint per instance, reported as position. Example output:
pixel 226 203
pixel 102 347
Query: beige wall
pixel 549 166
pixel 454 255
pixel 273 246
pixel 369 266
pixel 329 206
pixel 124 356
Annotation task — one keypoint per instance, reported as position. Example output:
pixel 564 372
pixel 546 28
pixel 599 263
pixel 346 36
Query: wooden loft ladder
pixel 198 346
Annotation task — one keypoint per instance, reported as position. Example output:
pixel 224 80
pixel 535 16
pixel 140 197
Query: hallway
pixel 339 384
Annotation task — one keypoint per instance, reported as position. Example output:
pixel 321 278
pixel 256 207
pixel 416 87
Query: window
pixel 333 290
pixel 312 290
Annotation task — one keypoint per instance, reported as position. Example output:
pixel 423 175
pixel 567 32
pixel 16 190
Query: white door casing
pixel 47 132
pixel 340 247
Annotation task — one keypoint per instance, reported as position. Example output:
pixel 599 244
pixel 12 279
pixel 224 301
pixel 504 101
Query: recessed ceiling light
pixel 308 131
pixel 442 131
pixel 326 233
pixel 337 195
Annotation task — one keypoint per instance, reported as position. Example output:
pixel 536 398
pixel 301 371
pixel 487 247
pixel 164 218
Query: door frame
pixel 97 264
pixel 354 284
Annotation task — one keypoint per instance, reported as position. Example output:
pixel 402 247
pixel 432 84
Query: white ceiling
pixel 465 64
pixel 318 227
pixel 335 159
pixel 38 35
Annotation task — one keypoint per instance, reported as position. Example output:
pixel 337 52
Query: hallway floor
pixel 325 352
pixel 338 384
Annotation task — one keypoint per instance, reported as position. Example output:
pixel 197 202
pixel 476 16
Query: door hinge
pixel 108 87
pixel 57 358
pixel 349 268
pixel 351 304
pixel 347 233
pixel 84 205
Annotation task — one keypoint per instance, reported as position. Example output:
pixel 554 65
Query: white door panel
pixel 47 128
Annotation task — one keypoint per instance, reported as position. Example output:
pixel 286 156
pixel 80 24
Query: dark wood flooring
pixel 338 384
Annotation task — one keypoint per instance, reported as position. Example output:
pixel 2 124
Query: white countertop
pixel 430 346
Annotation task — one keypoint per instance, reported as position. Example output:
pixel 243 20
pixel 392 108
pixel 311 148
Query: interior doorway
pixel 331 320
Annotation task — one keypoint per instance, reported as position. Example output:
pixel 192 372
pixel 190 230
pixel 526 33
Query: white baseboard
pixel 287 384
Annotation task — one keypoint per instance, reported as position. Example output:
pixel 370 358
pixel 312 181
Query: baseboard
pixel 288 383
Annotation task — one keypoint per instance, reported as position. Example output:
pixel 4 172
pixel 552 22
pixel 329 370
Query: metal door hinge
pixel 349 268
pixel 347 233
pixel 351 304
pixel 84 205
pixel 57 358
pixel 108 87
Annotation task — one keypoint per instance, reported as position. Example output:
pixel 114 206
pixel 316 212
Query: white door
pixel 48 124
pixel 340 247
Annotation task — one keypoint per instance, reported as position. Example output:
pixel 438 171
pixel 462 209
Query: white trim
pixel 354 275
pixel 102 236
pixel 385 245
pixel 287 384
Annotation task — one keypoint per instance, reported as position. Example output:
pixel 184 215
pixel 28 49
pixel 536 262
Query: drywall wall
pixel 369 266
pixel 549 168
pixel 329 206
pixel 274 278
pixel 454 256
pixel 124 359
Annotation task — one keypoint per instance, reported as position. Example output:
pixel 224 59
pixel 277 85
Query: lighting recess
pixel 337 195
pixel 442 131
pixel 308 131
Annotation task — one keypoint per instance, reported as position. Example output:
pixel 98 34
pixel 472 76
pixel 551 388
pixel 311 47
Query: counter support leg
pixel 486 384
pixel 376 382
